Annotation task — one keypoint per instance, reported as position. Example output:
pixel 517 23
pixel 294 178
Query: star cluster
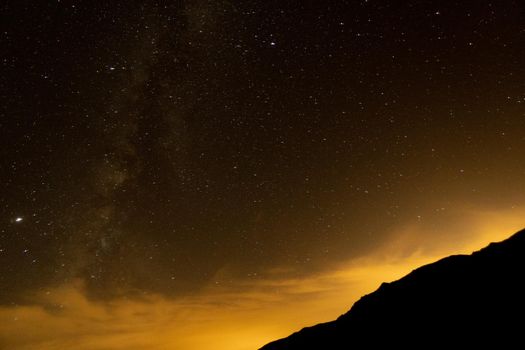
pixel 148 146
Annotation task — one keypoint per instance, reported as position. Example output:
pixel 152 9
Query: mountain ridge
pixel 457 299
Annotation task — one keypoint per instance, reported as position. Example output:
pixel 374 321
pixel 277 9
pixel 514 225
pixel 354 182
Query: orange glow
pixel 243 317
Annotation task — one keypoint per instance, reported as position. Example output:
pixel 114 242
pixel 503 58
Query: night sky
pixel 203 153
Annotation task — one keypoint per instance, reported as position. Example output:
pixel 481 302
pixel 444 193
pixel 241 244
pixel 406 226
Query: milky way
pixel 148 147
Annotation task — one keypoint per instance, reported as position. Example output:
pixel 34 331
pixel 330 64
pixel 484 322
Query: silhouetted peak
pixel 461 299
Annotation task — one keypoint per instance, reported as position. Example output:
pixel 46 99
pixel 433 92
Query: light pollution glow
pixel 240 318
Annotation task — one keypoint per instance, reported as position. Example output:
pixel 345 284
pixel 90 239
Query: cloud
pixel 242 314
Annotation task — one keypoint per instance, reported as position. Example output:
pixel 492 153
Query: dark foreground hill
pixel 462 301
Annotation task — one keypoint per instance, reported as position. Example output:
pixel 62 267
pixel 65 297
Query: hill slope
pixel 466 300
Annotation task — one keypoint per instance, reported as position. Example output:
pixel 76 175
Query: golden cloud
pixel 243 316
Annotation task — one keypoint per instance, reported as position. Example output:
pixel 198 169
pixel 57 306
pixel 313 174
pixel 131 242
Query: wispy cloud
pixel 244 315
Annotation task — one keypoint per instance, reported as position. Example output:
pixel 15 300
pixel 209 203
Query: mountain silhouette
pixel 462 301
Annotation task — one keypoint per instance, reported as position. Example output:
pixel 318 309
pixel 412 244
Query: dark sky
pixel 145 146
